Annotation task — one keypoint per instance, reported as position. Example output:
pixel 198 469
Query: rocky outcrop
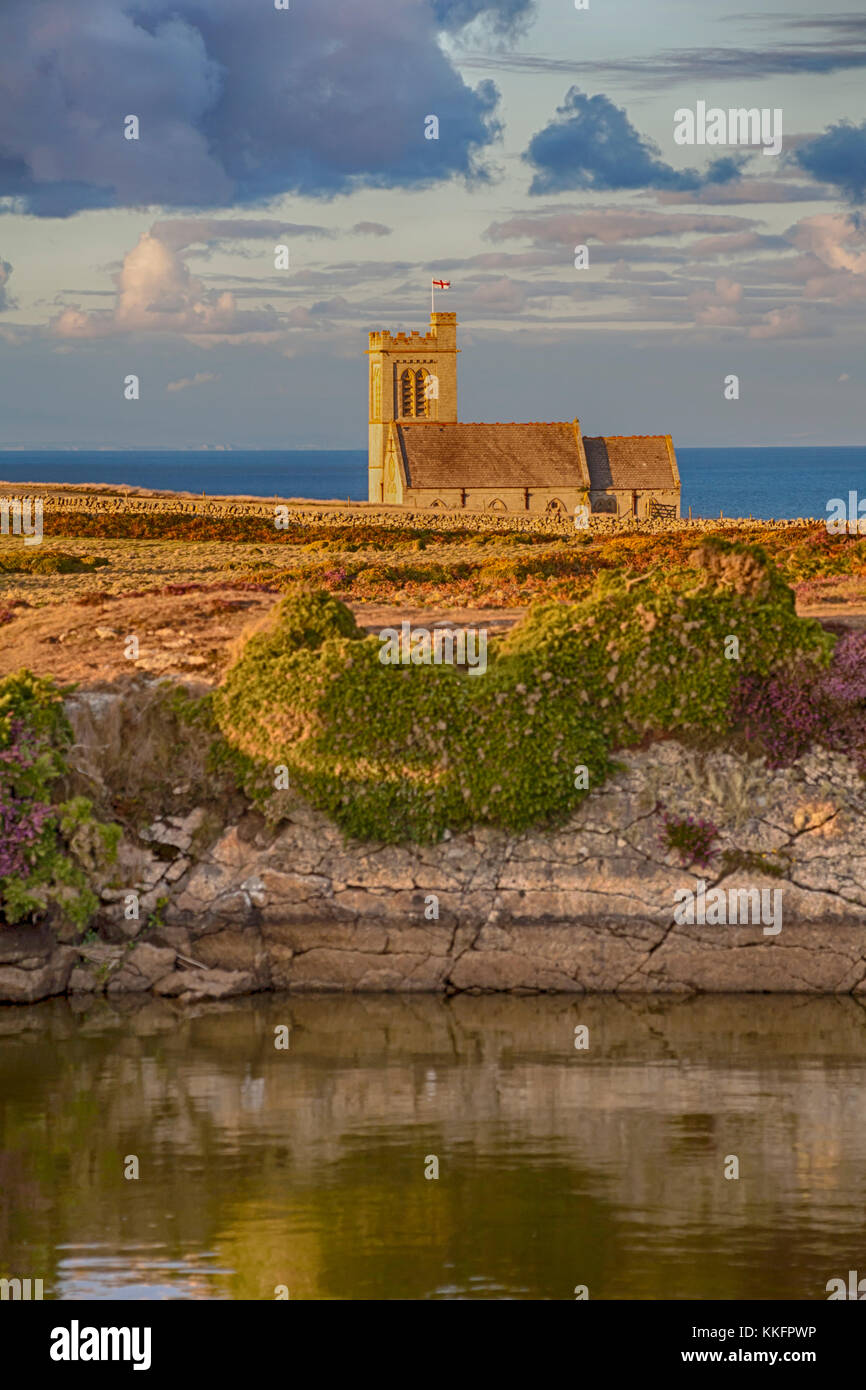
pixel 586 907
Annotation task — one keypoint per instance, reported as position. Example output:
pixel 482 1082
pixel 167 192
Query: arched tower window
pixel 417 389
pixel 407 393
pixel 422 394
pixel 376 393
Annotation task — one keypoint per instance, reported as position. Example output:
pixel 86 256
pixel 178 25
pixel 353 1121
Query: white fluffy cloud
pixel 156 293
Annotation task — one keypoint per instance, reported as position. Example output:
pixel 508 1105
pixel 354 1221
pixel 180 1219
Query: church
pixel 421 456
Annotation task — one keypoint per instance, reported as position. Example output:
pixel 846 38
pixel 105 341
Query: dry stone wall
pixel 65 503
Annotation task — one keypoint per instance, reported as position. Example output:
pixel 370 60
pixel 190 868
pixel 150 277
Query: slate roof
pixel 531 455
pixel 483 456
pixel 629 461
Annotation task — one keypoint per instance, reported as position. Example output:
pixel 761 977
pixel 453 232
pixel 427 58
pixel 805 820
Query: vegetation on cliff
pixel 407 751
pixel 50 848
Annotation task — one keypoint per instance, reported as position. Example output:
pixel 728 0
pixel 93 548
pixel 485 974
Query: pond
pixel 289 1143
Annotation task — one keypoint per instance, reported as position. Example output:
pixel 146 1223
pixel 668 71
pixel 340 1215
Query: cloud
pixel 502 296
pixel 780 323
pixel 6 301
pixel 837 241
pixel 200 379
pixel 711 246
pixel 832 266
pixel 591 143
pixel 720 306
pixel 838 157
pixel 844 49
pixel 502 16
pixel 156 293
pixel 371 229
pixel 180 232
pixel 237 103
pixel 611 225
pixel 747 190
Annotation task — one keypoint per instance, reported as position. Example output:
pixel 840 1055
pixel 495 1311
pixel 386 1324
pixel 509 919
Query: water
pixel 762 482
pixel 305 1167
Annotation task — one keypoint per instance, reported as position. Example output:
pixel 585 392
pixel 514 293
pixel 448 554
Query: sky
pixel 308 128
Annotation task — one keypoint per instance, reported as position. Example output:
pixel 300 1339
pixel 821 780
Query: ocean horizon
pixel 762 482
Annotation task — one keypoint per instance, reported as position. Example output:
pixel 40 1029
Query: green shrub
pixel 38 561
pixel 404 752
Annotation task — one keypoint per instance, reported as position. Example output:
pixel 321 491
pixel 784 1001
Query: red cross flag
pixel 434 286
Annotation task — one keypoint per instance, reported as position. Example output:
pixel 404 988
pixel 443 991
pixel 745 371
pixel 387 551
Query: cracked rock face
pixel 588 906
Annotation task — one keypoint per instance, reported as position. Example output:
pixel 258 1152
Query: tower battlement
pixel 383 340
pixel 442 335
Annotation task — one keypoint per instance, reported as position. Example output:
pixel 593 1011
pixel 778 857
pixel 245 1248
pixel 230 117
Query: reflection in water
pixel 305 1167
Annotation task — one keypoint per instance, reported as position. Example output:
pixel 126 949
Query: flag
pixel 441 284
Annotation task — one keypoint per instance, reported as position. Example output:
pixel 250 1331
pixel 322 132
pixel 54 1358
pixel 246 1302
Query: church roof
pixel 630 461
pixel 483 456
pixel 532 455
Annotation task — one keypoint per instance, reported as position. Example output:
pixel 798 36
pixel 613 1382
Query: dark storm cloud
pixel 838 157
pixel 237 103
pixel 592 144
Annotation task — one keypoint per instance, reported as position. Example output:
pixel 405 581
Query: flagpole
pixel 432 299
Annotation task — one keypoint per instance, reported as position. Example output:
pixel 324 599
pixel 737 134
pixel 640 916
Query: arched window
pixel 554 505
pixel 417 389
pixel 604 505
pixel 407 393
pixel 497 505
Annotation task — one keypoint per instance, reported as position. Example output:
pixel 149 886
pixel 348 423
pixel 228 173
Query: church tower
pixel 413 377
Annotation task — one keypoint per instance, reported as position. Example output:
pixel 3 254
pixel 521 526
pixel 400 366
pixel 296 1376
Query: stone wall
pixel 588 907
pixel 62 503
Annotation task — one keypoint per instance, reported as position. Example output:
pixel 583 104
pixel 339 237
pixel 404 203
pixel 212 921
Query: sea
pixel 764 483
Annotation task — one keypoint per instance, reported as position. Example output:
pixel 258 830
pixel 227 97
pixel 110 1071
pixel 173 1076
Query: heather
pixel 50 846
pixel 409 751
pixel 690 837
pixel 800 705
pixel 447 563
